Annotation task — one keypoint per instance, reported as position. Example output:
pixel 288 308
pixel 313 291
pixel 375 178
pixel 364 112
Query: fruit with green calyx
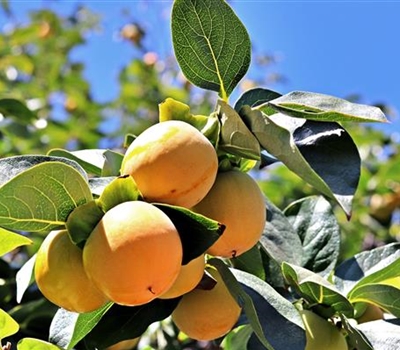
pixel 172 162
pixel 134 254
pixel 61 277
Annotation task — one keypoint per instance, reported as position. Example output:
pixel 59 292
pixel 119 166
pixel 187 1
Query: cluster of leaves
pixel 295 264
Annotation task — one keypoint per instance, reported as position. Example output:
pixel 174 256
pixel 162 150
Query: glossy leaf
pixel 10 240
pixel 196 231
pixel 15 108
pixel 313 106
pixel 317 290
pixel 315 223
pixel 350 272
pixel 8 326
pixel 132 322
pixel 235 137
pixel 41 198
pixel 257 97
pixel 276 136
pixel 68 328
pixel 35 344
pixel 251 262
pixel 211 44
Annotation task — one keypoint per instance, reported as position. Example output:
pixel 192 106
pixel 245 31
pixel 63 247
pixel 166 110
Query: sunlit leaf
pixel 35 344
pixel 41 198
pixel 10 240
pixel 24 277
pixel 211 44
pixel 8 326
pixel 321 107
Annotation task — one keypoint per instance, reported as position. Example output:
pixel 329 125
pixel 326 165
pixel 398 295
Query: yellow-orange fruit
pixel 321 334
pixel 188 278
pixel 128 344
pixel 60 275
pixel 207 314
pixel 236 201
pixel 134 254
pixel 172 162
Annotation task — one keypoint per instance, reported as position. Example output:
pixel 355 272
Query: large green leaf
pixel 211 44
pixel 322 154
pixel 41 198
pixel 8 326
pixel 122 322
pixel 10 240
pixel 196 231
pixel 269 313
pixel 321 107
pixel 316 290
pixel 68 328
pixel 349 273
pixel 315 223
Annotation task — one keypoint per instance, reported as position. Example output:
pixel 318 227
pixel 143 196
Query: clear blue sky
pixel 332 47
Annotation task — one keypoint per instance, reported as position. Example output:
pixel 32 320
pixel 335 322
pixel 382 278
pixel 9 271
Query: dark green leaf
pixel 82 221
pixel 251 262
pixel 275 134
pixel 382 334
pixel 315 223
pixel 355 338
pixel 316 290
pixel 235 137
pixel 321 107
pixel 41 198
pixel 69 328
pixel 10 240
pixel 197 232
pixel 122 322
pixel 211 44
pixel 15 108
pixel 257 97
pixel 351 271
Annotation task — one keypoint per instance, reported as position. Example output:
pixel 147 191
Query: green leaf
pixel 8 326
pixel 269 313
pixel 382 334
pixel 211 44
pixel 10 240
pixel 24 277
pixel 35 344
pixel 121 189
pixel 81 222
pixel 257 97
pixel 355 338
pixel 321 146
pixel 251 262
pixel 122 322
pixel 98 184
pixel 112 163
pixel 196 231
pixel 15 108
pixel 68 328
pixel 321 107
pixel 41 198
pixel 316 290
pixel 315 223
pixel 350 272
pixel 237 338
pixel 235 137
pixel 12 166
pixel 385 296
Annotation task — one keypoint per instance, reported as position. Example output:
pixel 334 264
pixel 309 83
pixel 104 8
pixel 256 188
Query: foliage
pixel 298 264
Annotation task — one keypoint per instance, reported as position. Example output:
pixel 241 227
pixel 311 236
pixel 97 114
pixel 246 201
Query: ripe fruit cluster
pixel 134 253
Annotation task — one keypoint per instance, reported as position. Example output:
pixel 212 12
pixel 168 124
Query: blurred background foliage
pixel 36 68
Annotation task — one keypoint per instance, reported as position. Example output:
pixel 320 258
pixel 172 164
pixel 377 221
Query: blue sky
pixel 333 47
